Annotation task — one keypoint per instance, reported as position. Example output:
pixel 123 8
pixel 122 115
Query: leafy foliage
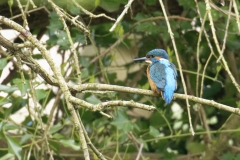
pixel 160 134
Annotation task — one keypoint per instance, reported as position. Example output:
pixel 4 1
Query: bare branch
pixel 179 64
pixel 121 15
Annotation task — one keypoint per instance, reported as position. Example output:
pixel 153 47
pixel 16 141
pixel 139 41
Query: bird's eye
pixel 150 56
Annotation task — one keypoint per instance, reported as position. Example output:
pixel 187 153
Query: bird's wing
pixel 173 67
pixel 158 74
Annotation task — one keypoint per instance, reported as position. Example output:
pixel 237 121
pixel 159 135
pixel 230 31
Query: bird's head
pixel 154 55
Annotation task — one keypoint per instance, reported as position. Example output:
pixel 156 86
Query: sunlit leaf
pixel 55 128
pixel 40 94
pixel 3 63
pixel 70 143
pixel 8 89
pixel 119 30
pixel 21 86
pixel 25 138
pixel 10 126
pixel 14 146
pixel 153 131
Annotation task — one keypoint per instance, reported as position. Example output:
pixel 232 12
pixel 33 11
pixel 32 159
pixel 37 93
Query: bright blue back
pixel 164 75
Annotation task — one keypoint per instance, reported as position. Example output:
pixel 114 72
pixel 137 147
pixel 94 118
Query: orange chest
pixel 152 84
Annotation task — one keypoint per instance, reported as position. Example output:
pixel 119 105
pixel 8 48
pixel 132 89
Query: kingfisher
pixel 161 73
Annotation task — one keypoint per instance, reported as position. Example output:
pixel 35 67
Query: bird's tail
pixel 168 95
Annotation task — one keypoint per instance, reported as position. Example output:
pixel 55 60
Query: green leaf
pixel 55 23
pixel 3 63
pixel 97 2
pixel 58 136
pixel 4 100
pixel 54 145
pixel 186 25
pixel 25 138
pixel 150 2
pixel 8 89
pixel 85 73
pixel 121 121
pixel 91 79
pixel 151 28
pixel 21 86
pixel 219 68
pixel 186 4
pixel 17 103
pixel 237 156
pixel 14 146
pixel 84 61
pixel 10 126
pixel 62 41
pixel 70 143
pixel 119 30
pixel 55 128
pixel 10 3
pixel 93 99
pixel 153 131
pixel 2 123
pixel 107 60
pixel 111 5
pixel 74 10
pixel 145 86
pixel 40 94
pixel 195 147
pixel 228 156
pixel 141 16
pixel 145 145
pixel 202 8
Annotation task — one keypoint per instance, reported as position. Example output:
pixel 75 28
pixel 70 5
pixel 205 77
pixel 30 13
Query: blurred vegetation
pixel 164 133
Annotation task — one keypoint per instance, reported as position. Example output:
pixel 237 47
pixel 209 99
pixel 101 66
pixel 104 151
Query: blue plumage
pixel 162 74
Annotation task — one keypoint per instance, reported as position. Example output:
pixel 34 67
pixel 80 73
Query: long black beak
pixel 140 59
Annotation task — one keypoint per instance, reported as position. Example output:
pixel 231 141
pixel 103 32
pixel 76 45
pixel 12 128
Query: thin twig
pixel 129 33
pixel 236 13
pixel 89 142
pixel 202 111
pixel 127 6
pixel 222 10
pixel 33 10
pixel 205 76
pixel 25 23
pixel 179 65
pixel 105 114
pixel 137 142
pixel 208 9
pixel 20 68
pixel 73 50
pixel 56 70
pixel 38 112
pixel 106 87
pixel 104 105
pixel 51 114
pixel 199 65
pixel 226 33
pixel 90 14
pixel 139 151
pixel 77 23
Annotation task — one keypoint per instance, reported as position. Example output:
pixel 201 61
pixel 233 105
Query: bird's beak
pixel 148 60
pixel 140 59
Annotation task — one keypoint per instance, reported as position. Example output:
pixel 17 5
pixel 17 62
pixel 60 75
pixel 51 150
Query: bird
pixel 161 73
